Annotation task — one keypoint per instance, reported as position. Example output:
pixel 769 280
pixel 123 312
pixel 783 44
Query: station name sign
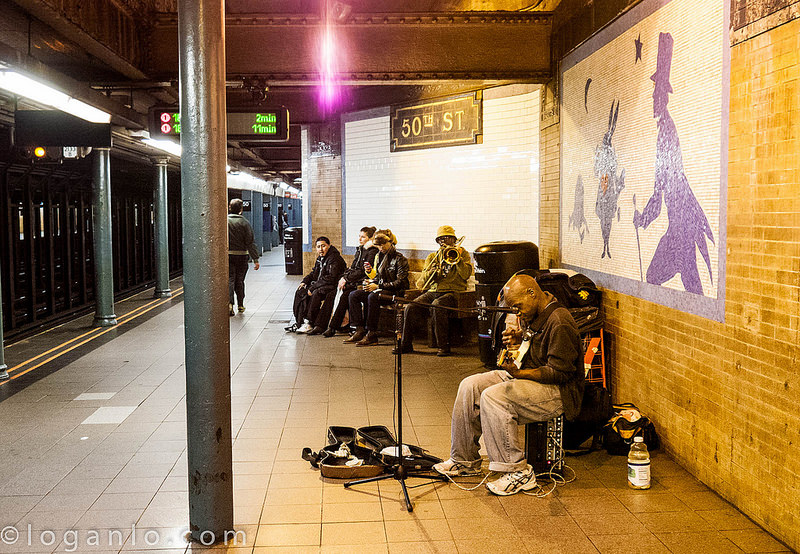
pixel 269 124
pixel 449 121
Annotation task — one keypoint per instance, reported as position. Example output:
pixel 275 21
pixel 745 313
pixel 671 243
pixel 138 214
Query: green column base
pixel 166 293
pixel 3 372
pixel 105 321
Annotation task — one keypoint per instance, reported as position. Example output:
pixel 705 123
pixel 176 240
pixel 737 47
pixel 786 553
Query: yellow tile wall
pixel 322 189
pixel 725 397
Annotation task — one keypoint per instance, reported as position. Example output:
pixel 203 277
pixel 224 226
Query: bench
pixel 463 327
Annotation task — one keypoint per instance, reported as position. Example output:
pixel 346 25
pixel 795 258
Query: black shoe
pixel 357 336
pixel 442 352
pixel 316 330
pixel 328 333
pixel 344 330
pixel 291 328
pixel 371 339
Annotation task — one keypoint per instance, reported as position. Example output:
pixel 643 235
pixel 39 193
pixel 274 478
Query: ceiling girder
pixel 385 48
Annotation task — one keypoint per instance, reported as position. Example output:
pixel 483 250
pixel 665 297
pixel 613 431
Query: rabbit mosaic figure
pixel 610 184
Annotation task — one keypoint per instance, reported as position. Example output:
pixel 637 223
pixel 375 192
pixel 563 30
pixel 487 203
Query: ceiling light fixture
pixel 37 91
pixel 165 145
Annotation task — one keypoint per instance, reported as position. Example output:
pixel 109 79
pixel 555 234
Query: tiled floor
pixel 68 485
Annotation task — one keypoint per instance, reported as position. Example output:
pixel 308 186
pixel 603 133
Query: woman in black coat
pixel 391 279
pixel 352 278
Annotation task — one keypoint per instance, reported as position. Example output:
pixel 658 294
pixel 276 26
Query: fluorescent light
pixel 43 94
pixel 165 145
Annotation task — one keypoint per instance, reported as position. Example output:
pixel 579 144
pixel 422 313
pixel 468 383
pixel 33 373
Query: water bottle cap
pixel 638 439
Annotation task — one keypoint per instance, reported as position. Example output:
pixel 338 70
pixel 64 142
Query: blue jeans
pixel 365 309
pixel 494 403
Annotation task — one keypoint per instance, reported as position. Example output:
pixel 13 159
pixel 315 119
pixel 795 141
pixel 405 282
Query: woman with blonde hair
pixel 389 277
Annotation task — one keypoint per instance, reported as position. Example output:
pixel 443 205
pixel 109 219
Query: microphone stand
pixel 399 471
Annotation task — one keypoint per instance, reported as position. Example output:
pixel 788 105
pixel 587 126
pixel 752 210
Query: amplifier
pixel 543 445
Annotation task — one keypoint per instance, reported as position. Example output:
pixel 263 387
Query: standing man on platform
pixel 241 247
pixel 445 271
pixel 544 379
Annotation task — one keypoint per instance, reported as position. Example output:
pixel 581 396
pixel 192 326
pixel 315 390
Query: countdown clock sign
pixel 265 125
pixel 451 121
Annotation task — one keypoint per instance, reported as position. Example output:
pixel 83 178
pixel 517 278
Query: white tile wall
pixel 486 191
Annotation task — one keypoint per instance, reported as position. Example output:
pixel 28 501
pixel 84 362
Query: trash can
pixel 293 250
pixel 495 263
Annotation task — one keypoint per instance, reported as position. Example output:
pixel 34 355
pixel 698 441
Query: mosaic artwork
pixel 643 124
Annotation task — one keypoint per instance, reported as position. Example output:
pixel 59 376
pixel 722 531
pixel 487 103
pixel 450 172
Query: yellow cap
pixel 445 231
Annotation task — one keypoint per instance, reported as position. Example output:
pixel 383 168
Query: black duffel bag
pixel 594 415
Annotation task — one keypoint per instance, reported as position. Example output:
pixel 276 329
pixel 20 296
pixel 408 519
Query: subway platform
pixel 93 450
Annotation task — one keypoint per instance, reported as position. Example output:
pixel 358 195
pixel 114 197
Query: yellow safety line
pixel 73 347
pixel 119 321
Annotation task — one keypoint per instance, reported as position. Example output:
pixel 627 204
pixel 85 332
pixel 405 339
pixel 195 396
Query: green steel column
pixel 101 229
pixel 3 366
pixel 201 36
pixel 162 238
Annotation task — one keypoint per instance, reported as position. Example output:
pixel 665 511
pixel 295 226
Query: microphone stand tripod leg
pixel 399 471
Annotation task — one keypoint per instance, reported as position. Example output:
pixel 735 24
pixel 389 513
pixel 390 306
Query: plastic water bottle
pixel 639 465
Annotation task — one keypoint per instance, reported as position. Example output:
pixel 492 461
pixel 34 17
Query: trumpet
pixel 446 258
pixel 451 255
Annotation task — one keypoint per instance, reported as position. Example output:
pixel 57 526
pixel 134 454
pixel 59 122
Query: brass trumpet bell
pixel 452 254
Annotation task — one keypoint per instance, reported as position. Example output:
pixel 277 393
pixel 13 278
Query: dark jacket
pixel 240 237
pixel 392 269
pixel 355 274
pixel 326 272
pixel 557 352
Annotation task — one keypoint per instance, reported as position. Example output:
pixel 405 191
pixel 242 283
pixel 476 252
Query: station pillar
pixel 162 289
pixel 101 229
pixel 3 366
pixel 201 34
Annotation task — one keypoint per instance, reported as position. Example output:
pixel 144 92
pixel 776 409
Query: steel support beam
pixel 101 232
pixel 3 366
pixel 108 42
pixel 162 289
pixel 205 270
pixel 481 47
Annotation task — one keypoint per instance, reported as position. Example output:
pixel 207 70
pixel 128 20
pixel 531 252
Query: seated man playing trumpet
pixel 446 271
pixel 541 378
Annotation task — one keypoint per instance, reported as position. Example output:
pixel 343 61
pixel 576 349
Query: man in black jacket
pixel 318 286
pixel 544 379
pixel 241 247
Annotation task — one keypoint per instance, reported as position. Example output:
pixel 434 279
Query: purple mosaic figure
pixel 576 219
pixel 688 226
pixel 610 184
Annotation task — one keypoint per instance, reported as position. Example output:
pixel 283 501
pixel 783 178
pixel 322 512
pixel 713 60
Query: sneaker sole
pixel 526 487
pixel 457 474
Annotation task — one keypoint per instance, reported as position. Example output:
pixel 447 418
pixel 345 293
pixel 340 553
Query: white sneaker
pixel 304 328
pixel 452 468
pixel 512 483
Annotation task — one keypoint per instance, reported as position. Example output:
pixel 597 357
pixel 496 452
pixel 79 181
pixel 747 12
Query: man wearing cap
pixel 439 280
